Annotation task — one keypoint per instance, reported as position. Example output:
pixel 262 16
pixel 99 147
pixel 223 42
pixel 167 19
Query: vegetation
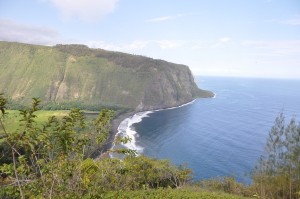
pixel 227 185
pixel 13 105
pixel 52 160
pixel 277 174
pixel 67 76
pixel 186 192
pixel 48 155
pixel 13 117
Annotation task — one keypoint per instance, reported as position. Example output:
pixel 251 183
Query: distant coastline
pixel 115 125
pixel 116 122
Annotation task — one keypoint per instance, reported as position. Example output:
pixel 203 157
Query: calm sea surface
pixel 222 136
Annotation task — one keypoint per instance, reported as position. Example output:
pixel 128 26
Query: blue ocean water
pixel 221 136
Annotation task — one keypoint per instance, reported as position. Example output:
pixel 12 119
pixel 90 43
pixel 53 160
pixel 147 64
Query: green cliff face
pixel 76 73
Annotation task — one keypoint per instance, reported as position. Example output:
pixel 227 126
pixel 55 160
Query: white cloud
pixel 275 48
pixel 103 45
pixel 159 19
pixel 294 21
pixel 136 45
pixel 13 31
pixel 224 39
pixel 169 44
pixel 170 17
pixel 86 10
pixel 259 58
pixel 129 47
pixel 197 46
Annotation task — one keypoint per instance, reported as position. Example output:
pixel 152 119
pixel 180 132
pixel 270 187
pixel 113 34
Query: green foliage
pixel 186 192
pixel 278 174
pixel 100 132
pixel 227 185
pixel 3 102
pixel 33 154
pixel 12 118
pixel 52 159
pixel 67 76
pixel 79 104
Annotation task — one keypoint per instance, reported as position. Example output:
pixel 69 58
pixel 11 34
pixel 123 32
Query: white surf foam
pixel 191 102
pixel 126 127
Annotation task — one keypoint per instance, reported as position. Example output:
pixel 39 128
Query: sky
pixel 247 38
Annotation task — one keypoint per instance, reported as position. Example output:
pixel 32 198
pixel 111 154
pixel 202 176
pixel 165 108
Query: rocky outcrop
pixel 76 73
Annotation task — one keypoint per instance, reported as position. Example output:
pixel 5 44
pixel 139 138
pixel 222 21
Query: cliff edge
pixel 78 74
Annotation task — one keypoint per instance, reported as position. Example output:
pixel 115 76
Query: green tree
pixel 52 160
pixel 46 159
pixel 278 174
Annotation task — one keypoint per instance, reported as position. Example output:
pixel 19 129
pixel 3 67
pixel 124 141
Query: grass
pixel 185 192
pixel 12 118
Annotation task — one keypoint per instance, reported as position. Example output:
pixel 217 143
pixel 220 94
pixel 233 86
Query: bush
pixel 52 160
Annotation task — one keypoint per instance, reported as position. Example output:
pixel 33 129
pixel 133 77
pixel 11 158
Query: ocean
pixel 221 136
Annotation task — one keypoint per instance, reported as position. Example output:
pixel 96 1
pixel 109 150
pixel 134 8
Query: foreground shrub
pixel 52 159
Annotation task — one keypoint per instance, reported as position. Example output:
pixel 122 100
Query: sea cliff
pixel 85 77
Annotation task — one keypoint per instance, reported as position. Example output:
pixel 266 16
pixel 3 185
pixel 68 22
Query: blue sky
pixel 256 38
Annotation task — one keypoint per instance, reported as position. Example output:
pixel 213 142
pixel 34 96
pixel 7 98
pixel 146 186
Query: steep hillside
pixel 76 73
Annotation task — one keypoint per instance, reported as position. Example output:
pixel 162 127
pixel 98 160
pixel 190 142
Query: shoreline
pixel 119 119
pixel 103 151
pixel 115 123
